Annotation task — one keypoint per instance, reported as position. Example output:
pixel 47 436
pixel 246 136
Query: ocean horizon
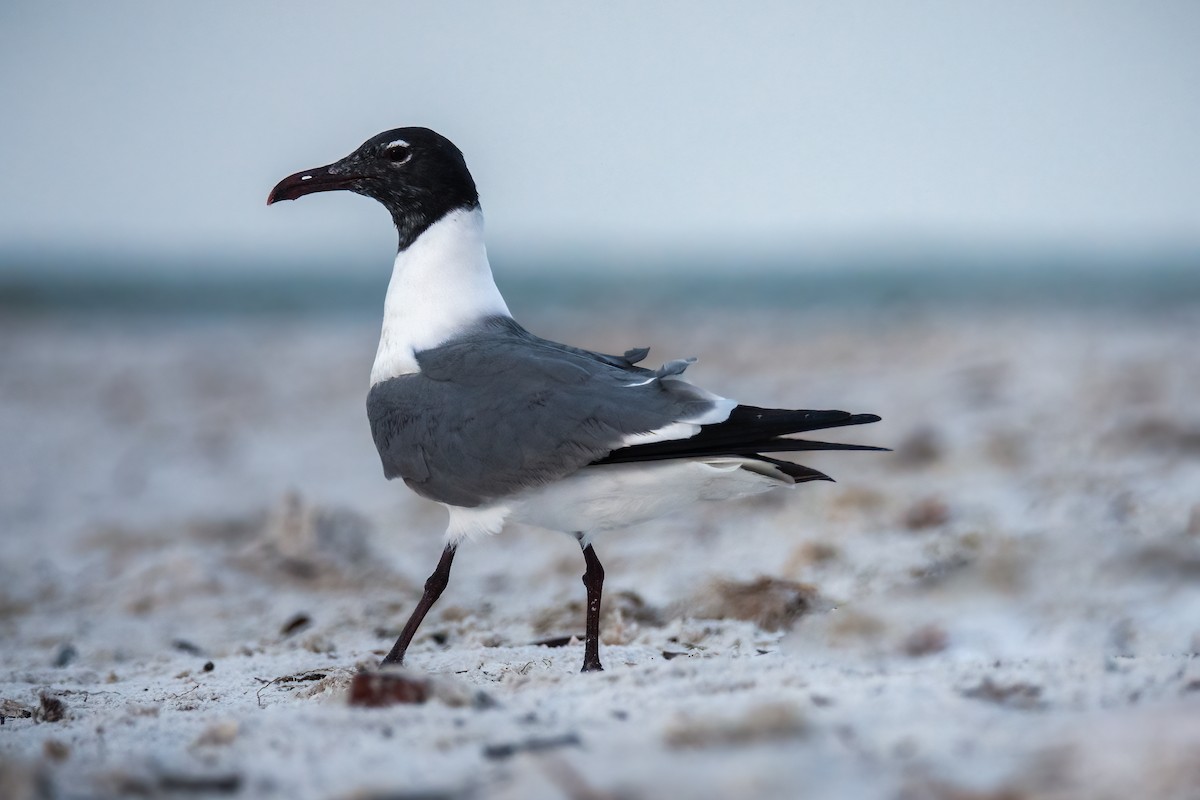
pixel 47 283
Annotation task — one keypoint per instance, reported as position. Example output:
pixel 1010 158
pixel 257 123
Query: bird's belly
pixel 611 496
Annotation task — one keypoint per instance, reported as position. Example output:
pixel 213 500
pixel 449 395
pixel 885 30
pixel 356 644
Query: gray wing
pixel 500 410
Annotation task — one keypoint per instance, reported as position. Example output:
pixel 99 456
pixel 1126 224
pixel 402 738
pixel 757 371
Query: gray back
pixel 498 410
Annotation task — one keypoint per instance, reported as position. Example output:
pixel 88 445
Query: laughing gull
pixel 473 411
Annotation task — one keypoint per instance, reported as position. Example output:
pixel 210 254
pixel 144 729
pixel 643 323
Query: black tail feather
pixel 750 423
pixel 747 432
pixel 781 445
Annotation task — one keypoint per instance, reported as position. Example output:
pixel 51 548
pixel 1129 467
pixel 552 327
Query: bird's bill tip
pixel 310 181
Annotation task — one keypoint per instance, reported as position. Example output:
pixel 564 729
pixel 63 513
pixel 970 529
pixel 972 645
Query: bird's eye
pixel 397 152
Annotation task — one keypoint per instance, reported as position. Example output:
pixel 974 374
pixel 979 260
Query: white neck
pixel 441 285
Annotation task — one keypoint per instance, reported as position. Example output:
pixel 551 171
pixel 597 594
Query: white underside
pixel 601 498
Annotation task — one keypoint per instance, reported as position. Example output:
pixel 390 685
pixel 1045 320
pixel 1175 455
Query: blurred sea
pixel 33 284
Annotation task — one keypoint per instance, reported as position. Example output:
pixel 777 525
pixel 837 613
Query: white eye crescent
pixel 397 152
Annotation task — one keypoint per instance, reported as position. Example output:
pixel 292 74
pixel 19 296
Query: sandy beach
pixel 200 551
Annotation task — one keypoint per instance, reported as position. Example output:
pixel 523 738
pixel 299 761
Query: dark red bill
pixel 309 181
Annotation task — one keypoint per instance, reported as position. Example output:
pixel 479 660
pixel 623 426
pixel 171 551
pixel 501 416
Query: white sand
pixel 1007 607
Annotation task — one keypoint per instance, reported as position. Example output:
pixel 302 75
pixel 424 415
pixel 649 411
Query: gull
pixel 474 412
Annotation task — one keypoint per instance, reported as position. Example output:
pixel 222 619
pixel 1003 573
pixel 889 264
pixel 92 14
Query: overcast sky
pixel 160 127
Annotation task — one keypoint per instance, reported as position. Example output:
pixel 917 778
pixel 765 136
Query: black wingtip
pixel 748 431
pixel 797 472
pixel 785 445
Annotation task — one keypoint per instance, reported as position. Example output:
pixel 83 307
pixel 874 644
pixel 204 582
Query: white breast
pixel 441 285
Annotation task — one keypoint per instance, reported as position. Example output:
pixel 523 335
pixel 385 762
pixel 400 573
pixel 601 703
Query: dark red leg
pixel 433 590
pixel 593 581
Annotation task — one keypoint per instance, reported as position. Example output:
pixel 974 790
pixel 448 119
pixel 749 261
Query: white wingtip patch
pixel 676 430
pixel 722 408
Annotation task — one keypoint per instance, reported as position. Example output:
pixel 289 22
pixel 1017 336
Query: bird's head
pixel 417 174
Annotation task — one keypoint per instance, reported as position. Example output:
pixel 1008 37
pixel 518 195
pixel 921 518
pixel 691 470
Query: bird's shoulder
pixel 500 348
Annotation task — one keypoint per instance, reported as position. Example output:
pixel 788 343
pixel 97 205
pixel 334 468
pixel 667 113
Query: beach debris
pixel 184 646
pixel 1163 435
pixel 818 552
pixel 853 627
pixel 763 723
pixel 558 641
pixel 11 709
pixel 218 734
pixel 926 788
pixel 310 540
pixel 498 752
pixel 335 684
pixel 299 677
pixel 296 623
pixel 922 447
pixel 941 569
pixel 810 554
pixel 50 709
pixel 156 783
pixel 65 655
pixel 228 783
pixel 300 541
pixel 1177 558
pixel 928 512
pixel 432 793
pixel 1004 563
pixel 925 640
pixel 142 709
pixel 859 499
pixel 771 603
pixel 396 685
pixel 389 687
pixel 26 780
pixel 1018 695
pixel 54 750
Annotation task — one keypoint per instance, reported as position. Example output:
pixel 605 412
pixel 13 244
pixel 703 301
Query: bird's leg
pixel 593 581
pixel 433 590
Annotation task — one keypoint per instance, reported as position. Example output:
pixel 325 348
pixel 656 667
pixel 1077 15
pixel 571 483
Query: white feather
pixel 472 523
pixel 684 428
pixel 441 285
pixel 675 430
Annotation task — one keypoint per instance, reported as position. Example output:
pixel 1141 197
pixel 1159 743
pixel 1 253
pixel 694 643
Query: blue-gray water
pixel 42 284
